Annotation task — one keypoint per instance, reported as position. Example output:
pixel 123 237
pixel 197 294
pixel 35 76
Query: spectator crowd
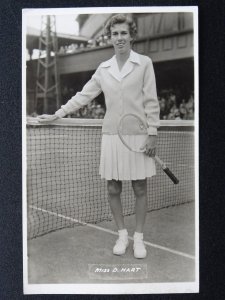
pixel 100 41
pixel 175 107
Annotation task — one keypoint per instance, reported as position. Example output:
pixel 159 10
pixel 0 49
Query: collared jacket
pixel 129 91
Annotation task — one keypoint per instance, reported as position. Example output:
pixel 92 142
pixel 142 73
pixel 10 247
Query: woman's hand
pixel 47 118
pixel 150 145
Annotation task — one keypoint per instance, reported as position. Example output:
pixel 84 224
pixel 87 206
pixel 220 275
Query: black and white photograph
pixel 110 150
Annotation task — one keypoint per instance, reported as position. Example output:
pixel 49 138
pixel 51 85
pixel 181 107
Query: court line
pixel 113 232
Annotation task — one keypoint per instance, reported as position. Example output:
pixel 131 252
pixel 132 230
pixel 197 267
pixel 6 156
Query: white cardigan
pixel 131 90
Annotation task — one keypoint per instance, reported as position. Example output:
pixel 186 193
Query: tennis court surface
pixel 67 255
pixel 69 228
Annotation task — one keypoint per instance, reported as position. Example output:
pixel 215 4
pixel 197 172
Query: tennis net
pixel 63 183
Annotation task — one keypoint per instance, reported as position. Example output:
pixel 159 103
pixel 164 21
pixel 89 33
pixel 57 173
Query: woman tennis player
pixel 128 83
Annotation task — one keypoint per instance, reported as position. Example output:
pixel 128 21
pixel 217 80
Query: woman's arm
pixel 151 104
pixel 90 91
pixel 152 110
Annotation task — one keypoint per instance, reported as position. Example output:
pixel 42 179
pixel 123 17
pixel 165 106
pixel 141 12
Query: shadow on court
pixel 83 254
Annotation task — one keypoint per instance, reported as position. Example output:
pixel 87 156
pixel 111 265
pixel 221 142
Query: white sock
pixel 123 232
pixel 138 235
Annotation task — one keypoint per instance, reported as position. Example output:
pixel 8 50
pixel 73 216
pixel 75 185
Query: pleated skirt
pixel 119 163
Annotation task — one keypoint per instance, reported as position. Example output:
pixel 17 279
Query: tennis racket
pixel 131 120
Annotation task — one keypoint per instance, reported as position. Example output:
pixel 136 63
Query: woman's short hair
pixel 119 19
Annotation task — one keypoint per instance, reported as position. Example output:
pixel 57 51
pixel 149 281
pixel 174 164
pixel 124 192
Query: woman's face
pixel 120 37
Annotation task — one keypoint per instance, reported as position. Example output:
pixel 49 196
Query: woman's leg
pixel 114 190
pixel 140 191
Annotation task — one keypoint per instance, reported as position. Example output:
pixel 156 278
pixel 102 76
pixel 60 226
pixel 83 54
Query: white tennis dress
pixel 119 163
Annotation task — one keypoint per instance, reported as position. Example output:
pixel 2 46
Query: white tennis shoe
pixel 121 245
pixel 139 248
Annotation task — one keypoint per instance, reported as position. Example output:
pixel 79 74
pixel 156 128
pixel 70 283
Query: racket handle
pixel 166 170
pixel 171 175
